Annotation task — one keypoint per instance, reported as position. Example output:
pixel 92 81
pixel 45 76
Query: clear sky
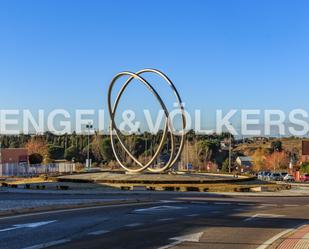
pixel 220 54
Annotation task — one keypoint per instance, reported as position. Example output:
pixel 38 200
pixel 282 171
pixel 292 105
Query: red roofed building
pixel 13 155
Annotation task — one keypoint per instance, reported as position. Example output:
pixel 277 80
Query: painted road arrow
pixel 194 237
pixel 28 225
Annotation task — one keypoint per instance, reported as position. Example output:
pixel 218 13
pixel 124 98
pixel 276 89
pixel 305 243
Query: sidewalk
pixel 299 239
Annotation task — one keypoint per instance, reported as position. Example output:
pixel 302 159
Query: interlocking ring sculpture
pixel 175 152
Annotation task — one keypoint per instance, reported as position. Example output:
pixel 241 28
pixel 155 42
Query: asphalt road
pixel 169 221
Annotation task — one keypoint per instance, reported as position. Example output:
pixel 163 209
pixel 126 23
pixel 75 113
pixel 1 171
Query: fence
pixel 25 170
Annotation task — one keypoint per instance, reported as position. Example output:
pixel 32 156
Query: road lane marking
pixel 200 202
pixel 239 209
pixel 245 204
pixel 77 209
pixel 269 205
pixel 28 225
pixel 291 205
pixel 223 203
pixel 261 216
pixel 193 215
pixel 99 232
pixel 170 201
pixel 158 208
pixel 166 219
pixel 8 229
pixel 48 244
pixel 134 225
pixel 195 237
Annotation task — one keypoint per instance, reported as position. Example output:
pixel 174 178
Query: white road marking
pixel 200 202
pixel 166 219
pixel 158 208
pixel 223 203
pixel 267 243
pixel 192 215
pixel 195 237
pixel 170 245
pixel 260 207
pixel 291 205
pixel 99 232
pixel 245 204
pixel 170 201
pixel 134 225
pixel 239 209
pixel 257 216
pixel 76 209
pixel 48 244
pixel 269 205
pixel 28 225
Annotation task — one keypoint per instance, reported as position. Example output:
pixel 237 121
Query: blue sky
pixel 220 54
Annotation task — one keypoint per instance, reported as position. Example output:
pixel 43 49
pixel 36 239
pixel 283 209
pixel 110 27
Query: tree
pixel 55 152
pixel 276 161
pixel 96 148
pixel 107 151
pixel 258 159
pixel 72 153
pixel 207 149
pixel 276 146
pixel 304 168
pixel 15 143
pixel 35 158
pixel 37 145
pixel 225 166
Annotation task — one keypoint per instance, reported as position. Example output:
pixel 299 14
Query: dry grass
pixel 288 144
pixel 18 181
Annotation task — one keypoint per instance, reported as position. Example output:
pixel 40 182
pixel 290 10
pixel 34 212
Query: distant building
pixel 244 162
pixel 13 156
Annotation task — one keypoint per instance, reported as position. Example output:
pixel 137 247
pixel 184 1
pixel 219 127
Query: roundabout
pixel 182 182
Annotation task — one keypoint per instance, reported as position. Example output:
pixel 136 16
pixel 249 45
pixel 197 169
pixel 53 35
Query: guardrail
pixel 26 170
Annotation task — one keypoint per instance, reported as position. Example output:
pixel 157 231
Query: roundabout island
pixel 147 175
pixel 182 182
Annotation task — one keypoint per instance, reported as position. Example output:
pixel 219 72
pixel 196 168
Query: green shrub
pixel 35 158
pixel 304 169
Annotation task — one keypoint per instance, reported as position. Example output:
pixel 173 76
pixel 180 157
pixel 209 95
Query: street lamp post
pixel 88 164
pixel 0 149
pixel 230 152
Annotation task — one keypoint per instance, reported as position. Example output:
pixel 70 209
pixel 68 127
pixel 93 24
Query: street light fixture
pixel 89 126
pixel 230 151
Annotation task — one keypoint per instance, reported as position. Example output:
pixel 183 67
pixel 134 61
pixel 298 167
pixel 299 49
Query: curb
pixel 287 236
pixel 263 195
pixel 154 193
pixel 34 210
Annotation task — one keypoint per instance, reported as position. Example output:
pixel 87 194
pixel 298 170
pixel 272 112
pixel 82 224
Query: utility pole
pixel 0 149
pixel 187 166
pixel 277 160
pixel 88 164
pixel 145 147
pixel 230 152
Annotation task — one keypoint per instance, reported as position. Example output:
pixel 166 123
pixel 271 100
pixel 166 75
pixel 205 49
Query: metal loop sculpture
pixel 174 156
